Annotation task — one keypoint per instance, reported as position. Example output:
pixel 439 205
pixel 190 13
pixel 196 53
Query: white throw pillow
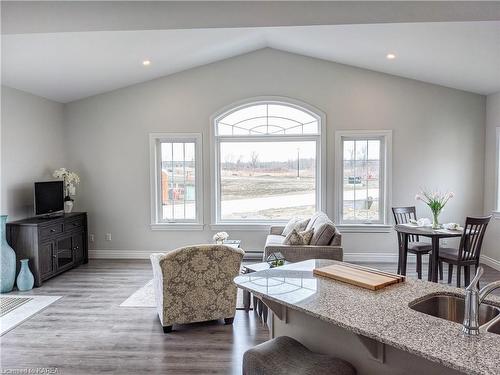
pixel 290 226
pixel 295 223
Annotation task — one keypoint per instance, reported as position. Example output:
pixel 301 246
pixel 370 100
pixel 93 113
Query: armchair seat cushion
pixel 274 239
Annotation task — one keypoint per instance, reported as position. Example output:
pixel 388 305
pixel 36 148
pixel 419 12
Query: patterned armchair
pixel 195 284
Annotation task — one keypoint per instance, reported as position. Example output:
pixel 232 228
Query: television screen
pixel 49 197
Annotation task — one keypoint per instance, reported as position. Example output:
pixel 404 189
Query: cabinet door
pixel 46 257
pixel 77 242
pixel 64 251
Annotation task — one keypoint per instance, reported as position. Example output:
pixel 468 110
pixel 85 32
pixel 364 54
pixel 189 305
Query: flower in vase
pixel 220 237
pixel 70 180
pixel 436 202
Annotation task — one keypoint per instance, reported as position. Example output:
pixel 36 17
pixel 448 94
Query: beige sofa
pixel 195 284
pixel 296 253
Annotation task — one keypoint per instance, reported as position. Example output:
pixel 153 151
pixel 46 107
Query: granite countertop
pixel 382 315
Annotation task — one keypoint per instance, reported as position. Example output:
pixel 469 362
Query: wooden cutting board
pixel 365 278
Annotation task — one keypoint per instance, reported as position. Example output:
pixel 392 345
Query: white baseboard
pixel 349 257
pixel 142 254
pixel 493 263
pixel 119 254
pixel 372 257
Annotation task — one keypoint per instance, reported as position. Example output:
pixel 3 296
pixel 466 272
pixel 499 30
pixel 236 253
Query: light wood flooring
pixel 86 332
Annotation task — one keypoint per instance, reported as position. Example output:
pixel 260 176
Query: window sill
pixel 243 226
pixel 176 226
pixel 496 215
pixel 364 228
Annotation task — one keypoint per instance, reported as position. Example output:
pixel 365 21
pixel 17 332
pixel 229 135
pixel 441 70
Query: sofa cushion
pixel 299 238
pixel 295 223
pixel 274 239
pixel 323 235
pixel 317 220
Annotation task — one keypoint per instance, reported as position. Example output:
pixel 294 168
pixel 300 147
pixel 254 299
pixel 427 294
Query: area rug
pixel 145 297
pixel 8 304
pixel 17 309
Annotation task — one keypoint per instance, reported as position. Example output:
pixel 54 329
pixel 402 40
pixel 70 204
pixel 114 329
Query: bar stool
pixel 285 356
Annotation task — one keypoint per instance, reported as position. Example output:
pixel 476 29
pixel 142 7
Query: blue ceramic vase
pixel 25 279
pixel 7 260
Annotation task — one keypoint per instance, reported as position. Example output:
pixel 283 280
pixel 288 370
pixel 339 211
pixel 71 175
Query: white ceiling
pixel 70 66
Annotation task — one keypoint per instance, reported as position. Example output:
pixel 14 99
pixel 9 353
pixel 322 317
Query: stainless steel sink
pixel 452 308
pixel 494 328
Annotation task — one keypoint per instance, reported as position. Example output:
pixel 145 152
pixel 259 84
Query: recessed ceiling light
pixel 146 62
pixel 390 56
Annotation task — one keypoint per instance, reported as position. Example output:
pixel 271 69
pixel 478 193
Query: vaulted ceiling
pixel 70 65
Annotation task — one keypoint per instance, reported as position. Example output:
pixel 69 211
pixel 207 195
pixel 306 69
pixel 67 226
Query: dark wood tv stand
pixel 52 244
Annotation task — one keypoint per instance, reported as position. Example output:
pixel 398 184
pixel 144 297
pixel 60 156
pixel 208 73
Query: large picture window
pixel 176 179
pixel 268 163
pixel 362 176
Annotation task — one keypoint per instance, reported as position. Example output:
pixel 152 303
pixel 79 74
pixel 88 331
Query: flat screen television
pixel 49 197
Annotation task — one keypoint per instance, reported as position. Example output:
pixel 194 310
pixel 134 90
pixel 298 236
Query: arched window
pixel 268 163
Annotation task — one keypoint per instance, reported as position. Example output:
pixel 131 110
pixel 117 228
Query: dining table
pixel 407 230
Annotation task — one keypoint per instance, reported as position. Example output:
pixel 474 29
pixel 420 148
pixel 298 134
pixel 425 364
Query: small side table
pixel 233 243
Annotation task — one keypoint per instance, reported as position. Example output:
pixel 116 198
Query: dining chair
pixel 469 250
pixel 403 215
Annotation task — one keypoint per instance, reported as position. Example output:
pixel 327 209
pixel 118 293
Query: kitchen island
pixel 376 331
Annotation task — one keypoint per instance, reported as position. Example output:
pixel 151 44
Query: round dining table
pixel 407 230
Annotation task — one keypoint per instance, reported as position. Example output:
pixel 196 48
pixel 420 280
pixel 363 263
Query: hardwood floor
pixel 86 332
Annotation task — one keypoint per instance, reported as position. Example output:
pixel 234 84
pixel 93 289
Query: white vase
pixel 68 206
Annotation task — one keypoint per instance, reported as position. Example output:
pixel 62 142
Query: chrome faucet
pixel 473 298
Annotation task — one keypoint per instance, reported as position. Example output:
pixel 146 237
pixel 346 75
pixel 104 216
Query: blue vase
pixel 7 260
pixel 25 279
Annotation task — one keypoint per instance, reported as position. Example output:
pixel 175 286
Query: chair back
pixel 402 215
pixel 472 238
pixel 196 283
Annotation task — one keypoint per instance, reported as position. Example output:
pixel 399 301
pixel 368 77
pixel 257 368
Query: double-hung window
pixel 363 175
pixel 176 181
pixel 268 163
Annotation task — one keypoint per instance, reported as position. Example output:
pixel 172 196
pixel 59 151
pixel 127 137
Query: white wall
pixel 32 147
pixel 492 239
pixel 438 140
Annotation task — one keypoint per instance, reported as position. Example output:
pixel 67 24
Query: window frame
pixel 496 200
pixel 381 225
pixel 155 139
pixel 257 224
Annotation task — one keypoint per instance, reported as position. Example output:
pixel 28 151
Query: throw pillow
pixel 298 238
pixel 295 223
pixel 290 226
pixel 302 224
pixel 324 235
